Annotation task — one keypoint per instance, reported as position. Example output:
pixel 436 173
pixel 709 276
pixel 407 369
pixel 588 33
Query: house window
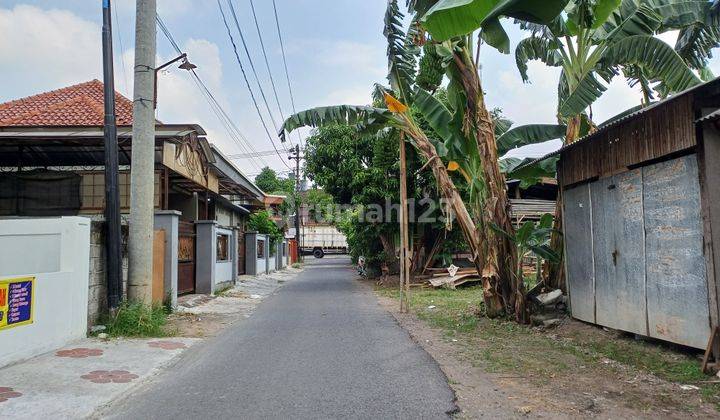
pixel 223 253
pixel 261 248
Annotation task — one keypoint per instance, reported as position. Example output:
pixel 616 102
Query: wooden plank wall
pixel 659 132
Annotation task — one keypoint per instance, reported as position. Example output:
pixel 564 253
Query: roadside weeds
pixel 574 369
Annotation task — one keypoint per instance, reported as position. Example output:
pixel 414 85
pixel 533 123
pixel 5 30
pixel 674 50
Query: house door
pixel 186 257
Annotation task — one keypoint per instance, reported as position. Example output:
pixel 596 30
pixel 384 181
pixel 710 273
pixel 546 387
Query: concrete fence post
pixel 167 220
pixel 205 252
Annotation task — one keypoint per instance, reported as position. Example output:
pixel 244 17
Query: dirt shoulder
pixel 499 368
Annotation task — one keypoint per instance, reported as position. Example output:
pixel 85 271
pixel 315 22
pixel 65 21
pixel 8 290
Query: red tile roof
pixel 77 105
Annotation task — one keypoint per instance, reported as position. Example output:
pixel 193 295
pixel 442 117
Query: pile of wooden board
pixel 462 276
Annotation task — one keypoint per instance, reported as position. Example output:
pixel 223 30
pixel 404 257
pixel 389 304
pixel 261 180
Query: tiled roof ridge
pixel 5 105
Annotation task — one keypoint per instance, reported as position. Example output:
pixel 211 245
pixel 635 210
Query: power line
pixel 287 74
pixel 252 155
pixel 233 131
pixel 214 104
pixel 122 49
pixel 267 62
pixel 254 174
pixel 247 83
pixel 254 71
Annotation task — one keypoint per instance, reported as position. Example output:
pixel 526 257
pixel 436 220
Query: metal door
pixel 619 251
pixel 579 256
pixel 186 257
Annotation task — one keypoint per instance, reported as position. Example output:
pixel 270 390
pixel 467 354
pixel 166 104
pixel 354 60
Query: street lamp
pixel 185 65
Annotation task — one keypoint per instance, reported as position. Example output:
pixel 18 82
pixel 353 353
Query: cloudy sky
pixel 335 52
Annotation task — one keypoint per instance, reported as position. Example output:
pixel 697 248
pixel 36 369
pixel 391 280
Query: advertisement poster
pixel 16 302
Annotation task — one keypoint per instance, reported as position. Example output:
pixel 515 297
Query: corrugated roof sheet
pixel 710 117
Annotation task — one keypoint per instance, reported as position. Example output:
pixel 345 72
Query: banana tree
pixel 468 123
pixel 597 39
pixel 697 40
pixel 450 25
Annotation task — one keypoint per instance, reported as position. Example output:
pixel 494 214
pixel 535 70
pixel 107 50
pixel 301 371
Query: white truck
pixel 318 240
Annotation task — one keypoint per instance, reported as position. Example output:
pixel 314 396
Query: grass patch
pixel 296 265
pixel 223 290
pixel 503 346
pixel 134 319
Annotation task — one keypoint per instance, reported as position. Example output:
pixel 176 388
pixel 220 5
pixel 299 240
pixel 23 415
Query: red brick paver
pixel 79 353
pixel 167 345
pixel 108 376
pixel 6 393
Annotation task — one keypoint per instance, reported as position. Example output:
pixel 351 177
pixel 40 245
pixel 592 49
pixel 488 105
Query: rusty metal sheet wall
pixel 619 252
pixel 580 273
pixel 677 286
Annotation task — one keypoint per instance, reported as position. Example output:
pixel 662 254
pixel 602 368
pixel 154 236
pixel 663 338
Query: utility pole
pixel 296 155
pixel 142 168
pixel 113 254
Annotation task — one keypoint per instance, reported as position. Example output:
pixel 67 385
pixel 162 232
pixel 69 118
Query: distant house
pixel 52 163
pixel 531 203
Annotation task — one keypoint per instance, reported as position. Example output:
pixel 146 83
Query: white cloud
pixel 361 58
pixel 526 103
pixel 47 49
pixel 358 95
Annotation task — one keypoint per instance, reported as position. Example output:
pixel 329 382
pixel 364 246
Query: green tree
pixel 269 181
pixel 599 39
pixel 465 133
pixel 321 205
pixel 262 223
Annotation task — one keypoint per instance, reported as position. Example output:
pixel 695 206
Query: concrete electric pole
pixel 142 168
pixel 298 202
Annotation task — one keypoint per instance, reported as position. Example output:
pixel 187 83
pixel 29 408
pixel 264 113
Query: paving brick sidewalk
pixel 73 382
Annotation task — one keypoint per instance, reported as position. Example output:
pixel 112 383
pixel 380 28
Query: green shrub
pixel 134 319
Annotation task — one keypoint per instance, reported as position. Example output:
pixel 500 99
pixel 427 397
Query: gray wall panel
pixel 622 298
pixel 677 289
pixel 619 300
pixel 578 252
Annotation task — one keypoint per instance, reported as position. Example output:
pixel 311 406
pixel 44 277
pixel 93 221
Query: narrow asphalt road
pixel 321 347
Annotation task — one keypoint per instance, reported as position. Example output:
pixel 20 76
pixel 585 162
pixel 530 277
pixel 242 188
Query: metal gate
pixel 186 257
pixel 241 252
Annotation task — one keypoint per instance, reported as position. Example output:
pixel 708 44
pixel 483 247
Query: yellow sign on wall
pixel 16 301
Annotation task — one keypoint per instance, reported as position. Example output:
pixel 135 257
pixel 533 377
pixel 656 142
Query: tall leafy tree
pixel 464 135
pixel 596 40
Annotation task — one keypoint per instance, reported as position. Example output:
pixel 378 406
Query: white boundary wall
pixel 57 252
pixel 224 269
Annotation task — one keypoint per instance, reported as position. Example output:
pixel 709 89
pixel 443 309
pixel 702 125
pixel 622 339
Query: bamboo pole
pixel 404 236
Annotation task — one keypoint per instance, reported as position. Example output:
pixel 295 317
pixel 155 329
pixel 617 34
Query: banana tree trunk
pixel 556 272
pixel 502 255
pixel 475 238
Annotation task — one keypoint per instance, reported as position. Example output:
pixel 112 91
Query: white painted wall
pixel 224 269
pixel 272 263
pixel 57 252
pixel 262 262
